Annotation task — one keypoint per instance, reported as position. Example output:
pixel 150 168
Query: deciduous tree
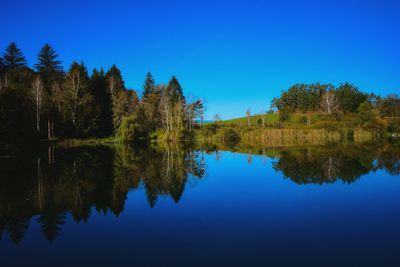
pixel 37 98
pixel 329 102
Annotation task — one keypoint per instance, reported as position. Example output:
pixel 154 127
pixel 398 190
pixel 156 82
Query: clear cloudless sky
pixel 233 54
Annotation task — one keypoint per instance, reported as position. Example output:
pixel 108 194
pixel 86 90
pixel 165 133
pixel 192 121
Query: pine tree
pixel 174 90
pixel 51 71
pixel 48 66
pixel 13 57
pixel 149 86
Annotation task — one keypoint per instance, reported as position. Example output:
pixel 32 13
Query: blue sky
pixel 233 54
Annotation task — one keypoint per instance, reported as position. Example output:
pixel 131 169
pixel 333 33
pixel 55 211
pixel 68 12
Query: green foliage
pixel 149 87
pixel 301 97
pixel 125 103
pixel 284 114
pixel 174 90
pixel 350 135
pixel 350 98
pixel 150 105
pixel 307 97
pixel 129 130
pixel 330 126
pixel 365 112
pixel 394 126
pixel 230 136
pixel 270 118
pixel 390 106
pixel 303 120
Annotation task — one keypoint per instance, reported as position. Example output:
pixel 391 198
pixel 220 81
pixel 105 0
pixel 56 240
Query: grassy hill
pixel 299 121
pixel 295 120
pixel 255 119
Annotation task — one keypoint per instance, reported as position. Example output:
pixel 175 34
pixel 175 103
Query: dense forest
pixel 46 102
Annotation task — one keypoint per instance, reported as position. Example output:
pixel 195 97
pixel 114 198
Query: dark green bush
pixel 350 135
pixel 230 136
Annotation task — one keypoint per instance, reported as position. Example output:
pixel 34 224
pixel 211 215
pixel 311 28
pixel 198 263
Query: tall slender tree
pixel 119 96
pixel 51 71
pixel 74 95
pixel 149 87
pixel 37 99
pixel 151 102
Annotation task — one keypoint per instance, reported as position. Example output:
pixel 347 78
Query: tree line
pixel 46 102
pixel 326 98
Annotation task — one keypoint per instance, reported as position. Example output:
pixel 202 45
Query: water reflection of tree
pixel 327 165
pixel 389 159
pixel 161 172
pixel 83 179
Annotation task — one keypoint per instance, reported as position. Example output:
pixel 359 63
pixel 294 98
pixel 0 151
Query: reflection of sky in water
pixel 240 214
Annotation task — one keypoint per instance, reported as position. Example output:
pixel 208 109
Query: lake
pixel 334 205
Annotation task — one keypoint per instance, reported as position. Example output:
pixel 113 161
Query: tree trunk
pixel 48 130
pixel 37 118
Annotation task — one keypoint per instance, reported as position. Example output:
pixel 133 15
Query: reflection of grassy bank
pixel 87 142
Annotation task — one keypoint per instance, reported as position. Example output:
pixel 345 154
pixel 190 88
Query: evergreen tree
pixel 48 66
pixel 174 90
pixel 51 71
pixel 149 87
pixel 13 57
pixel 350 98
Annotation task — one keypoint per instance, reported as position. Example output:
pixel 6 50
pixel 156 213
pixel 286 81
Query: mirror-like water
pixel 120 206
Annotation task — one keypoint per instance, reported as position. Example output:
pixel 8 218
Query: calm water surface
pixel 106 206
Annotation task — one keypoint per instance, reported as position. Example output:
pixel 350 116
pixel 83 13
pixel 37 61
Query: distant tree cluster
pixel 47 102
pixel 326 98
